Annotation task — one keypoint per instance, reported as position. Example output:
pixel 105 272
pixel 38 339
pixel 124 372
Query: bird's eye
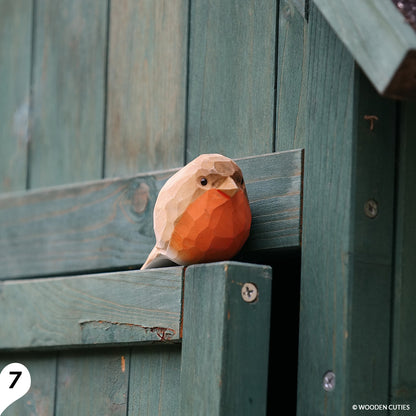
pixel 204 181
pixel 242 181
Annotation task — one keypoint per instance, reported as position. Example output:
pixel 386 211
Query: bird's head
pixel 206 173
pixel 218 172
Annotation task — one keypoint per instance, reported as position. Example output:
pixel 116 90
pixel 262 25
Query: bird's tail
pixel 157 258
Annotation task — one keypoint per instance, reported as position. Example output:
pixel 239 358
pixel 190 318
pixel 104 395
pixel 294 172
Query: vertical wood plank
pixel 225 340
pixel 371 256
pixel 67 146
pixel 302 6
pixel 39 400
pixel 146 129
pixel 155 380
pixel 403 366
pixel 15 60
pixel 92 383
pixel 292 51
pixel 67 121
pixel 146 85
pixel 346 256
pixel 231 77
pixel 326 239
pixel 68 91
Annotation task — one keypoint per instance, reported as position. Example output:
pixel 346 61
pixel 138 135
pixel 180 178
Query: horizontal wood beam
pixel 133 307
pixel 380 40
pixel 107 224
pixel 110 308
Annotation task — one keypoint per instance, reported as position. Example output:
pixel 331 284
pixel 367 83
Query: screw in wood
pixel 249 292
pixel 371 208
pixel 328 381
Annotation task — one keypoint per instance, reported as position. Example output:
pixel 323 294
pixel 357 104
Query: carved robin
pixel 201 214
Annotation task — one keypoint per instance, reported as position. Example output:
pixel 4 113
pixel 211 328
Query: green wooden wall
pixel 106 88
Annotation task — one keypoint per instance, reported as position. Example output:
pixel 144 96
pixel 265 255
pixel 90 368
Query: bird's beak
pixel 229 187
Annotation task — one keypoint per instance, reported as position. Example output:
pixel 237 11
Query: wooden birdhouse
pixel 102 102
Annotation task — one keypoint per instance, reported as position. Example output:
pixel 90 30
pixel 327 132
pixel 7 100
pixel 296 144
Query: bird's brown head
pixel 207 172
pixel 218 172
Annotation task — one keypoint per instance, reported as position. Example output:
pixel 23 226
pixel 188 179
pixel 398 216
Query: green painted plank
pixel 15 58
pixel 109 308
pixel 274 187
pixel 346 256
pixel 68 91
pixel 80 227
pixel 146 86
pixel 292 75
pixel 302 6
pixel 145 130
pixel 40 398
pixel 380 40
pixel 231 77
pixel 225 340
pixel 403 389
pixel 371 257
pixel 67 107
pixel 68 101
pixel 92 383
pixel 108 223
pixel 155 380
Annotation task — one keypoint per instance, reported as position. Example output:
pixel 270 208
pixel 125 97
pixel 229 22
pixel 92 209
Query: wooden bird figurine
pixel 201 214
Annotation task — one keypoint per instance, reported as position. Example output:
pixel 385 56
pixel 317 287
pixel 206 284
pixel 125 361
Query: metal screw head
pixel 371 208
pixel 328 381
pixel 249 292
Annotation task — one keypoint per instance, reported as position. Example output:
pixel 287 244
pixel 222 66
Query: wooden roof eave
pixel 380 40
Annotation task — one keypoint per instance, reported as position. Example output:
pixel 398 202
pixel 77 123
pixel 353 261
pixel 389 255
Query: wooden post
pixel 225 339
pixel 347 243
pixel 403 374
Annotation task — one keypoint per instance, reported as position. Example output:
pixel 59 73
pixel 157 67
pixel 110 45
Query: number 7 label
pixel 15 382
pixel 18 374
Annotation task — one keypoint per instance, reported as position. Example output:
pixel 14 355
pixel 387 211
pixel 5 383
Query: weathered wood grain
pixel 292 54
pixel 225 340
pixel 68 92
pixel 346 256
pixel 380 40
pixel 15 59
pixel 302 7
pixel 403 377
pixel 371 259
pixel 92 383
pixel 108 224
pixel 91 226
pixel 67 102
pixel 274 189
pixel 155 380
pixel 94 309
pixel 40 398
pixel 146 90
pixel 231 78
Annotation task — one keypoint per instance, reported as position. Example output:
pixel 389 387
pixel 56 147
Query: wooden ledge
pixel 107 224
pixel 116 308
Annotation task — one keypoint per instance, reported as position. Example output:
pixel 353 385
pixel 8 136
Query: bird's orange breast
pixel 213 228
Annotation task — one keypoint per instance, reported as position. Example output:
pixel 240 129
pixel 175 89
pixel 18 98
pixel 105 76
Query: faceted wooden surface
pixel 213 227
pixel 201 213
